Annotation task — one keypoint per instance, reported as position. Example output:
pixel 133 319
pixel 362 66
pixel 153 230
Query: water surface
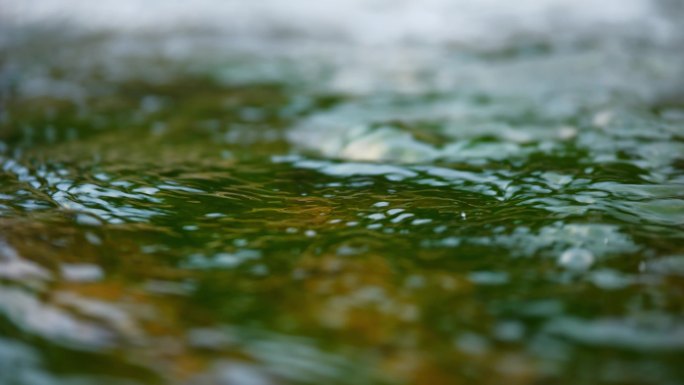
pixel 186 210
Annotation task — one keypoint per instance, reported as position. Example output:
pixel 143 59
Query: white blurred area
pixel 366 22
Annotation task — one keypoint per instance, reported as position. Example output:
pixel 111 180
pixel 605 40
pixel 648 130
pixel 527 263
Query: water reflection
pixel 262 213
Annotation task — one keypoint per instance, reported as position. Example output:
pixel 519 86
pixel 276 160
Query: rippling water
pixel 198 210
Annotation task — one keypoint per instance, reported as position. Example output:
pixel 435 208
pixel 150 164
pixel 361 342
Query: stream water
pixel 253 208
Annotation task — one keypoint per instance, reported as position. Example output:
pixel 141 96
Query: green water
pixel 503 217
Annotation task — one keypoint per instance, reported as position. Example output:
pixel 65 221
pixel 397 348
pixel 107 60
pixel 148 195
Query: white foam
pixel 359 21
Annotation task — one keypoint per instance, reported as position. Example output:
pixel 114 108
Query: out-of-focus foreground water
pixel 343 192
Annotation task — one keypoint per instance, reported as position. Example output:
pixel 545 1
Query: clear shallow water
pixel 186 210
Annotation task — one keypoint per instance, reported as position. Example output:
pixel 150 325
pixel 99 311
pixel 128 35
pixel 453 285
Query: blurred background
pixel 374 22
